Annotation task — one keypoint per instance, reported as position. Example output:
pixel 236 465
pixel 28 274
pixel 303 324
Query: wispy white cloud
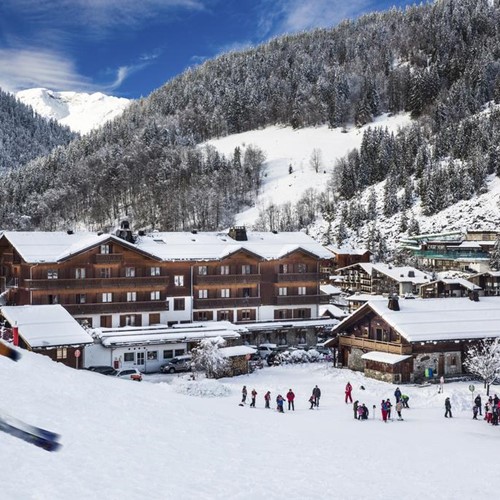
pixel 289 16
pixel 96 15
pixel 31 67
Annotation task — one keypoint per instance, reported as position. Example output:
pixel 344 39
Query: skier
pixel 348 391
pixel 388 407
pixel 441 385
pixel 397 394
pixel 267 398
pixel 474 412
pixel 383 409
pixel 244 394
pixel 312 400
pixel 477 400
pixel 404 400
pixel 290 396
pixel 355 408
pixel 254 395
pixel 365 414
pixel 361 412
pixel 399 407
pixel 317 394
pixel 447 405
pixel 279 403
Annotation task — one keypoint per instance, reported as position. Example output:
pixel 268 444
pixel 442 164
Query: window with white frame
pixel 80 273
pixel 225 293
pixel 105 272
pixel 155 295
pixel 246 269
pixel 130 272
pixel 107 297
pixel 131 296
pixel 245 315
pixel 224 269
pixel 301 290
pixel 105 249
pixel 179 280
pixel 283 268
pixel 202 270
pixel 282 290
pixel 155 271
pixel 203 294
pixel 301 268
pixel 52 274
pixel 81 298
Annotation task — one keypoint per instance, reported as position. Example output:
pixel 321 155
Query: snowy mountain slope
pixel 126 440
pixel 81 112
pixel 285 146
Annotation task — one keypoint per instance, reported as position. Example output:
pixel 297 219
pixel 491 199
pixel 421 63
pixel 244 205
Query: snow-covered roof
pixel 427 320
pixel 162 334
pixel 364 297
pixel 335 311
pixel 46 325
pixel 330 289
pixel 469 244
pixel 277 325
pixel 400 274
pixel 237 350
pixel 40 246
pixel 385 357
pixel 456 281
pixel 214 246
pixel 348 250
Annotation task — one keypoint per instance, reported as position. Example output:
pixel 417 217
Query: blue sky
pixel 131 47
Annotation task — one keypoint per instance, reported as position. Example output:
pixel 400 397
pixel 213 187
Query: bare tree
pixel 316 160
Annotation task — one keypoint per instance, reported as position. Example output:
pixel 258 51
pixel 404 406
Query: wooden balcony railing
pixel 291 300
pixel 227 302
pixel 298 277
pixel 375 345
pixel 97 283
pixel 115 307
pixel 220 279
pixel 108 258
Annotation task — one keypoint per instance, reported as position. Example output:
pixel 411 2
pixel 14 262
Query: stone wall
pixel 384 377
pixel 452 364
pixel 354 361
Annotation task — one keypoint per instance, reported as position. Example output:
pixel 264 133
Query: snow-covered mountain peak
pixel 81 112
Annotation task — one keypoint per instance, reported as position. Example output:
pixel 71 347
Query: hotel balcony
pixel 223 279
pixel 298 277
pixel 115 307
pixel 147 282
pixel 374 345
pixel 229 302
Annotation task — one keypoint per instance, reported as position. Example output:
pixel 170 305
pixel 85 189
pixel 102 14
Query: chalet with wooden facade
pixel 398 340
pixel 107 280
pixel 448 287
pixel 488 282
pixel 467 251
pixel 381 279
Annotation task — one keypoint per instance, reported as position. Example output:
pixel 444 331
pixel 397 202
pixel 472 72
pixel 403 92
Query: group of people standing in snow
pixel 361 411
pixel 491 409
pixel 280 400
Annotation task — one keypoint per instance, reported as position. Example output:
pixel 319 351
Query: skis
pixel 7 351
pixel 37 436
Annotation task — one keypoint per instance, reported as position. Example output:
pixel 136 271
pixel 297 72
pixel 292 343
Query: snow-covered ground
pixel 285 146
pixel 128 440
pixel 80 111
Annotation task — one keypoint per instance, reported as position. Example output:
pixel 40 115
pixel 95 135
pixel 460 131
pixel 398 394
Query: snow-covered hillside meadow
pixel 127 440
pixel 80 111
pixel 285 146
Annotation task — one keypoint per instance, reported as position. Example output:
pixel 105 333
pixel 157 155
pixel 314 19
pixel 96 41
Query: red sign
pixel 77 353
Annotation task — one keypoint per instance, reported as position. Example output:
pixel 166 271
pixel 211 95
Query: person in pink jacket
pixel 348 391
pixel 290 397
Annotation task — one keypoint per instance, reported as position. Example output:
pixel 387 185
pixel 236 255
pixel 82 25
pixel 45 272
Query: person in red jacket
pixel 290 397
pixel 348 391
pixel 267 398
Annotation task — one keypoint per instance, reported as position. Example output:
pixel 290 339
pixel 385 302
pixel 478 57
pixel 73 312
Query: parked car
pixel 255 361
pixel 105 370
pixel 177 364
pixel 265 349
pixel 131 373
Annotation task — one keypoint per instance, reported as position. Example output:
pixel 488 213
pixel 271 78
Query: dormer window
pixel 105 249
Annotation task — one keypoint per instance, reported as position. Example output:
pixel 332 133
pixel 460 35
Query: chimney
pixel 238 233
pixel 125 232
pixel 393 304
pixel 411 274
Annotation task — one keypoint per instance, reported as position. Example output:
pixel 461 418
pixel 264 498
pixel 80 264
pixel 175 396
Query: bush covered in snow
pixel 298 356
pixel 205 388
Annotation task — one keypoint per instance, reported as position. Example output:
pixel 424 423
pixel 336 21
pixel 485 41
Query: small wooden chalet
pixel 238 357
pixel 448 287
pixel 404 340
pixel 49 330
pixel 488 282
